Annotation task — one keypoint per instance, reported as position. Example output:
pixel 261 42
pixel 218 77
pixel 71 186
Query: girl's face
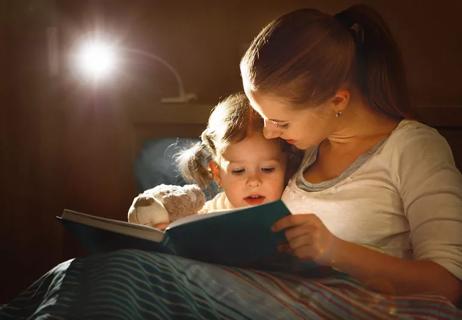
pixel 251 171
pixel 303 128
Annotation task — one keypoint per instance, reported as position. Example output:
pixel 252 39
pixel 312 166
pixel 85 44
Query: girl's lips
pixel 290 141
pixel 254 200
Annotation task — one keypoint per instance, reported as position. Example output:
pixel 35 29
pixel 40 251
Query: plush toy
pixel 165 204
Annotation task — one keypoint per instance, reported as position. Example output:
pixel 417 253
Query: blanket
pixel 133 284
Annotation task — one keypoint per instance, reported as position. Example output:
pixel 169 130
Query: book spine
pixel 169 245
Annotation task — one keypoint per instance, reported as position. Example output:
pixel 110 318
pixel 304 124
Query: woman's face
pixel 303 128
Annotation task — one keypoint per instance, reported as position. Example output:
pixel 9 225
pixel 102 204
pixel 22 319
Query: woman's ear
pixel 215 170
pixel 340 100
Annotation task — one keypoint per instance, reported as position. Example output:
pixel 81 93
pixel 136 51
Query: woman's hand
pixel 308 238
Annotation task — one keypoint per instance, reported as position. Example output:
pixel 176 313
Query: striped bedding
pixel 133 284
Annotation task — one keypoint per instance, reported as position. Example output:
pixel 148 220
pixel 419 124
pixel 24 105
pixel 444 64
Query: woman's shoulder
pixel 412 139
pixel 413 128
pixel 412 134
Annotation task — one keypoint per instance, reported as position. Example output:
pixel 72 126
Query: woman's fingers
pixel 304 253
pixel 294 232
pixel 302 240
pixel 307 237
pixel 293 220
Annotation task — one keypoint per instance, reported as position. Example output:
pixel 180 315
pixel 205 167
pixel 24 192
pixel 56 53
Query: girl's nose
pixel 254 181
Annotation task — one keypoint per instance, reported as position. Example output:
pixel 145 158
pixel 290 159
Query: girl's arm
pixel 309 239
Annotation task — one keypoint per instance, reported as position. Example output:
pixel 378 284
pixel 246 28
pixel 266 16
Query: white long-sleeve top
pixel 219 202
pixel 403 197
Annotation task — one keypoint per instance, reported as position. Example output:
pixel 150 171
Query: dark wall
pixel 66 144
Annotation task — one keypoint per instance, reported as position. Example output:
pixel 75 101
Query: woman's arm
pixel 309 239
pixel 394 275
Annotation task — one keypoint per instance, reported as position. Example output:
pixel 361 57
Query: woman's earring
pixel 338 114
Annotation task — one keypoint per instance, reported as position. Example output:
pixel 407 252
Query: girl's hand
pixel 308 238
pixel 161 226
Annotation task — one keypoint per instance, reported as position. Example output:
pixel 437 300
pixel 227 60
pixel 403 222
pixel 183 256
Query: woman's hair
pixel 305 56
pixel 231 121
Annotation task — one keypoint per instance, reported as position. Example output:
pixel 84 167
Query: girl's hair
pixel 231 121
pixel 305 56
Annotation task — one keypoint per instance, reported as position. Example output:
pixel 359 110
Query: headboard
pixel 167 120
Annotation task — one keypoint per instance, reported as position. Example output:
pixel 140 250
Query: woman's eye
pixel 283 125
pixel 237 171
pixel 268 169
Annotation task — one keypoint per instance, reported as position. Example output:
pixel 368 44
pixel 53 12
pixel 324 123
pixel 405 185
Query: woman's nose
pixel 271 133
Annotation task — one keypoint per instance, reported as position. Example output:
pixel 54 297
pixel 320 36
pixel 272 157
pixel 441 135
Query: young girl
pixel 250 169
pixel 233 153
pixel 381 195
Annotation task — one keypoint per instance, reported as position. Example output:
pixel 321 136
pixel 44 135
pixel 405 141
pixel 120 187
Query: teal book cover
pixel 240 237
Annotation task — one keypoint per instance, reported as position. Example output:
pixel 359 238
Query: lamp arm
pixel 165 63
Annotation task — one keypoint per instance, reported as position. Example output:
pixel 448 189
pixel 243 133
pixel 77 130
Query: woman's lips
pixel 290 141
pixel 254 200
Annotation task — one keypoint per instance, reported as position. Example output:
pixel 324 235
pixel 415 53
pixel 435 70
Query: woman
pixel 383 194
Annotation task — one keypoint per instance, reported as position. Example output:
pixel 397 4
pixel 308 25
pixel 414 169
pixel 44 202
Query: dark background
pixel 67 144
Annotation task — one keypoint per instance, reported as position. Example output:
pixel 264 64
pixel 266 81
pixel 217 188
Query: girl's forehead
pixel 253 148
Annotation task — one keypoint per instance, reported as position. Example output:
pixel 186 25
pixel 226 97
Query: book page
pixel 117 226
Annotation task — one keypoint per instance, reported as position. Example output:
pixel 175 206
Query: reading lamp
pixel 98 59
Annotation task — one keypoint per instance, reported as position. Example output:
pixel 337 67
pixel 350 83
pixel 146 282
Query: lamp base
pixel 185 98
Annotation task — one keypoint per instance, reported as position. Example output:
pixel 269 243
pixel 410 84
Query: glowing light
pixel 96 59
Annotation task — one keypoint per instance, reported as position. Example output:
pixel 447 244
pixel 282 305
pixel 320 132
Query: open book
pixel 240 237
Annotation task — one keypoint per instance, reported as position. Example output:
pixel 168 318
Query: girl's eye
pixel 268 169
pixel 237 171
pixel 282 125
